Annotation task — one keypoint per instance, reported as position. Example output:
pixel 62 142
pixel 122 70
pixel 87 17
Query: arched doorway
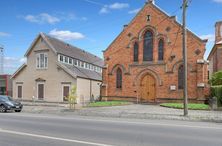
pixel 148 88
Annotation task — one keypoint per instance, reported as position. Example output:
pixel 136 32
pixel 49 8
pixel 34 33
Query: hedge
pixel 216 91
pixel 216 79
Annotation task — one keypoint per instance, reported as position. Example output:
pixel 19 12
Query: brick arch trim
pixel 146 28
pixel 178 63
pixel 162 36
pixel 144 72
pixel 118 66
pixel 132 41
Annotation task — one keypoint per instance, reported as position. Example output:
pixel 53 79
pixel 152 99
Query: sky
pixel 88 24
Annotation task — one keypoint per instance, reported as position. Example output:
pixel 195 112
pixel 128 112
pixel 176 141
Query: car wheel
pixel 2 109
pixel 18 111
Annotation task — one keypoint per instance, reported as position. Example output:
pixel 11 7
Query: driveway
pixel 134 111
pixel 152 111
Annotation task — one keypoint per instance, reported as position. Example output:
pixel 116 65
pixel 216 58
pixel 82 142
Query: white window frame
pixel 70 59
pixel 91 67
pixel 75 62
pixel 38 61
pixel 46 60
pixel 87 65
pixel 78 63
pixel 65 57
pixel 81 64
pixel 60 57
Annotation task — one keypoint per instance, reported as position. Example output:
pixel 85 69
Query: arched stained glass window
pixel 160 50
pixel 148 46
pixel 136 52
pixel 180 77
pixel 119 78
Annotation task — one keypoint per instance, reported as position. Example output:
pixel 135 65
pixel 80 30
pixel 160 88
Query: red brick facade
pixel 216 52
pixel 165 73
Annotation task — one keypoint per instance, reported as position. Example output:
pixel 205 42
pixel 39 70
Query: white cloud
pixel 135 11
pixel 104 10
pixel 210 37
pixel 114 6
pixel 218 1
pixel 4 34
pixel 42 18
pixel 66 34
pixel 23 60
pixel 118 6
pixel 45 18
pixel 11 64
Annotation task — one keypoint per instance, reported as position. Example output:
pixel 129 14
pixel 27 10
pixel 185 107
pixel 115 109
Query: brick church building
pixel 215 56
pixel 144 62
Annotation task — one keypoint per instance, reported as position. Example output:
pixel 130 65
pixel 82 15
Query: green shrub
pixel 216 79
pixel 72 97
pixel 108 103
pixel 216 91
pixel 191 106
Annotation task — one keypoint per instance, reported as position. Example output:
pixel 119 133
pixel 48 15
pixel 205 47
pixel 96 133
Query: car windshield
pixel 6 98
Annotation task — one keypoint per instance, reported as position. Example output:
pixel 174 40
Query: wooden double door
pixel 148 89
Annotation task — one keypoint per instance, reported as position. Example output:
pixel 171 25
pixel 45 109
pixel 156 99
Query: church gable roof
pixel 151 4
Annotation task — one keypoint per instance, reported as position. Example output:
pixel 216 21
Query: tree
pixel 72 97
pixel 216 79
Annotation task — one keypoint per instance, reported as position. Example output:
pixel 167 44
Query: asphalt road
pixel 20 129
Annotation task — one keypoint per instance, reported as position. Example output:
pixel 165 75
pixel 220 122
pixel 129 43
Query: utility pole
pixel 185 94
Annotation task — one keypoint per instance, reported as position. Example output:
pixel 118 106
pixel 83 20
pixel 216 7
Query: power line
pixel 175 41
pixel 94 2
pixel 168 16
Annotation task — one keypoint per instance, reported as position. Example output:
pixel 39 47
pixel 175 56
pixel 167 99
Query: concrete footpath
pixel 134 111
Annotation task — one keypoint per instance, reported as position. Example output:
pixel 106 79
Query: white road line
pixel 124 122
pixel 53 138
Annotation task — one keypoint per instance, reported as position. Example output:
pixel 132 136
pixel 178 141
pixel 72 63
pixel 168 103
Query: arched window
pixel 148 46
pixel 119 78
pixel 135 52
pixel 160 50
pixel 180 77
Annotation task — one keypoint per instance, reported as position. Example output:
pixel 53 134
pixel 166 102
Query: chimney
pixel 173 18
pixel 218 32
pixel 125 26
pixel 150 1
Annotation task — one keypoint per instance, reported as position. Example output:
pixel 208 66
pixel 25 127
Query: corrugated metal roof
pixel 74 52
pixel 84 73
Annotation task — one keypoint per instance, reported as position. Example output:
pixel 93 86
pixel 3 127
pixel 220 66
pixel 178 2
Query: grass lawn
pixel 192 106
pixel 108 103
